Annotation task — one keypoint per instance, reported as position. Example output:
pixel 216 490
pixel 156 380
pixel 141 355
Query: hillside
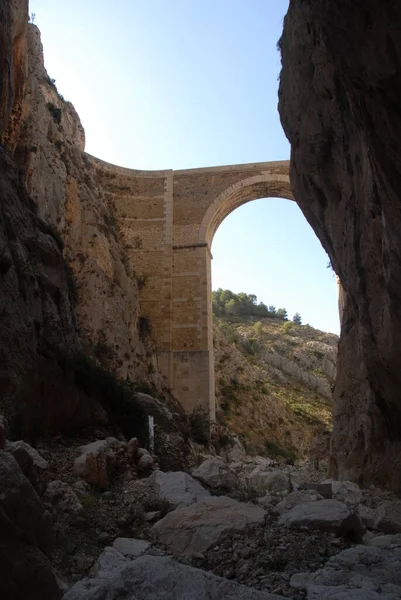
pixel 273 382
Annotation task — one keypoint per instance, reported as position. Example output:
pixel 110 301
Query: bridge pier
pixel 192 329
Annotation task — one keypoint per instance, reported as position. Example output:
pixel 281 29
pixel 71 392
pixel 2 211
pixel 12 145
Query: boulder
pixel 343 592
pixel 324 489
pixel 25 571
pixel 367 515
pixel 152 516
pixel 32 464
pixel 96 463
pixel 388 519
pixel 346 491
pixel 21 507
pixel 116 444
pixel 358 573
pixel 25 538
pixel 145 462
pixel 161 578
pixel 296 498
pixel 176 487
pixel 216 473
pixel 62 497
pixel 3 425
pixel 266 501
pixel 263 480
pixel 132 448
pixel 109 561
pixel 385 541
pixel 235 452
pixel 263 461
pixel 326 515
pixel 81 488
pixel 131 547
pixel 192 529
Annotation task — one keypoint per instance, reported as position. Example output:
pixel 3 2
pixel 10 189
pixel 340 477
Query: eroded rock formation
pixel 47 140
pixel 340 93
pixel 37 307
pixel 66 288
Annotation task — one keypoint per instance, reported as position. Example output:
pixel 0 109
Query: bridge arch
pixel 193 370
pixel 265 185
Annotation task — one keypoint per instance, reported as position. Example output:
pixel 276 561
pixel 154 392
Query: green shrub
pixel 104 351
pixel 55 112
pixel 297 318
pixel 71 283
pixel 145 327
pixel 288 325
pixel 275 450
pixel 200 425
pixel 258 328
pixel 115 395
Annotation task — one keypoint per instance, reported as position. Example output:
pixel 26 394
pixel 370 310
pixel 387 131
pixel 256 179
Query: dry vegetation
pixel 273 382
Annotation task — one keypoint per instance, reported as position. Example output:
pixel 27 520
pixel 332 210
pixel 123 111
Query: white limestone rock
pixel 326 515
pixel 192 529
pixel 62 497
pixel 176 487
pixel 96 463
pixel 296 498
pixel 32 464
pixel 367 515
pixel 161 578
pixel 385 541
pixel 131 547
pixel 216 473
pixel 358 573
pixel 346 491
pixel 388 519
pixel 264 479
pixel 110 560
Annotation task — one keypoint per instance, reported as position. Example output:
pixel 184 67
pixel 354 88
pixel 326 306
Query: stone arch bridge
pixel 167 220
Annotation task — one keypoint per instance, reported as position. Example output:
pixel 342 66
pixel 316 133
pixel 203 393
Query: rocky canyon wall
pixel 47 140
pixel 66 288
pixel 38 320
pixel 339 100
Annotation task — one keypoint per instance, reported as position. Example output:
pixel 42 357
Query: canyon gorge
pixel 84 323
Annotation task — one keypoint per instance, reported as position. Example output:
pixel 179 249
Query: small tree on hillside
pixel 282 314
pixel 258 328
pixel 297 318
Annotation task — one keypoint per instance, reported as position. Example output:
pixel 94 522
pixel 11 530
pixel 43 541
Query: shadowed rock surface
pixel 160 578
pixel 340 93
pixel 25 538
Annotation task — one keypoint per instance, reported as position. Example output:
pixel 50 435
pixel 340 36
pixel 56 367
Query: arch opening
pixel 279 400
pixel 265 185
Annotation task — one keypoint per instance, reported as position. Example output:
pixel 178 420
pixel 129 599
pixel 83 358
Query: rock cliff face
pixel 340 93
pixel 47 140
pixel 66 285
pixel 38 319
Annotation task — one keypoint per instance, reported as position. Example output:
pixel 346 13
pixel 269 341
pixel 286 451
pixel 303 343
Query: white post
pixel 342 296
pixel 151 434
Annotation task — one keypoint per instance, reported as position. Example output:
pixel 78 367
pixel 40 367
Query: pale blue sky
pixel 192 83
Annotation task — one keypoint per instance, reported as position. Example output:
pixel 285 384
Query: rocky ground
pixel 273 383
pixel 237 527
